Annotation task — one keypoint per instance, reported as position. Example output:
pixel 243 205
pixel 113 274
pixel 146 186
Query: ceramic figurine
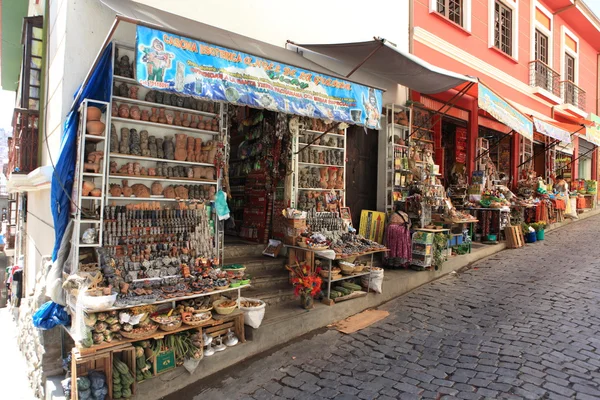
pixel 115 190
pixel 151 171
pixel 96 192
pixel 162 118
pixel 140 190
pixel 114 139
pixel 180 101
pixel 194 123
pixel 133 92
pixel 124 111
pixel 169 192
pixel 87 187
pixel 185 121
pixel 145 115
pixel 321 158
pixel 127 191
pixel 169 148
pixel 150 96
pixel 134 113
pixel 177 118
pixel 135 148
pixel 144 171
pixel 180 143
pixel 123 90
pixel 159 96
pixel 152 147
pixel 125 67
pixel 323 182
pixel 170 119
pixel 156 188
pixel 332 180
pixel 113 167
pixel 124 144
pixel 166 99
pixel 198 150
pixel 114 111
pixel 160 152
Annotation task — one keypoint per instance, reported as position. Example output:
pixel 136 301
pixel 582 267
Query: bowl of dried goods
pixel 224 306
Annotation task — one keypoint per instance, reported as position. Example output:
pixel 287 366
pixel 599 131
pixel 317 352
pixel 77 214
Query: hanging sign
pixel 592 132
pixel 504 112
pixel 551 131
pixel 186 66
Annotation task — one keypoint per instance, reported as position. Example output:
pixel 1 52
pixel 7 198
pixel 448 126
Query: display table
pixel 330 256
pixel 466 225
pixel 489 224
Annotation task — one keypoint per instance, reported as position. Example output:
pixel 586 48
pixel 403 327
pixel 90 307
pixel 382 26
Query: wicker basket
pixel 197 323
pixel 140 335
pixel 169 328
pixel 223 310
pixel 358 268
pixel 319 248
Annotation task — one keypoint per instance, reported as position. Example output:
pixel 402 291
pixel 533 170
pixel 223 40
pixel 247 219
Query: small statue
pixel 133 92
pixel 123 90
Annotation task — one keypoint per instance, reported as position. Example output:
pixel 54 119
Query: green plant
pixel 525 227
pixel 538 226
pixel 440 241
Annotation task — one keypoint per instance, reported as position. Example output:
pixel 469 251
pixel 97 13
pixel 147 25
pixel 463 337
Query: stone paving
pixel 523 324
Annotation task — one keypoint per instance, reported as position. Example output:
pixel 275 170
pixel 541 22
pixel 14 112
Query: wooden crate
pixel 127 355
pixel 82 365
pixel 514 237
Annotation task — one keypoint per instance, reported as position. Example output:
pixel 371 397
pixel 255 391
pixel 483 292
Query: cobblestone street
pixel 522 324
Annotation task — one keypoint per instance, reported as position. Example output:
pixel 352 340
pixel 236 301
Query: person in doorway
pixel 561 187
pixel 397 237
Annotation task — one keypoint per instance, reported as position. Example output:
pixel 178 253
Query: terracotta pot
pixel 124 111
pixel 145 115
pixel 162 118
pixel 96 193
pixel 93 113
pixel 134 113
pixel 185 121
pixel 154 117
pixel 95 128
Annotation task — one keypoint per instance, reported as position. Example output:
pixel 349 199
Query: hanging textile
pixel 97 88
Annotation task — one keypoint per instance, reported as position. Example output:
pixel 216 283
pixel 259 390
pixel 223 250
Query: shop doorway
pixel 453 157
pixel 361 179
pixel 259 152
pixel 539 160
pixel 500 152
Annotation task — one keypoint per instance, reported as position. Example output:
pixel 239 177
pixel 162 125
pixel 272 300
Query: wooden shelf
pixel 347 277
pixel 160 105
pixel 163 126
pixel 163 179
pixel 92 174
pixel 94 138
pixel 320 190
pixel 141 198
pixel 126 80
pixel 321 165
pixel 143 158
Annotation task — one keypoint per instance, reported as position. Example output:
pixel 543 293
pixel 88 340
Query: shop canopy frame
pixel 383 59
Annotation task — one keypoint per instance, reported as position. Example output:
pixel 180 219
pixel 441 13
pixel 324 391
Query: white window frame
pixel 514 6
pixel 466 16
pixel 564 31
pixel 536 25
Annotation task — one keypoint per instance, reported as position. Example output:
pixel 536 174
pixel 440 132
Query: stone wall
pixel 42 349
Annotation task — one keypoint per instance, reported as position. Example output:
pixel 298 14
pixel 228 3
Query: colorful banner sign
pixel 551 131
pixel 504 112
pixel 186 66
pixel 592 133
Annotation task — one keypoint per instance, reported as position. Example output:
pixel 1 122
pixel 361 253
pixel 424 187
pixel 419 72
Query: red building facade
pixel 540 55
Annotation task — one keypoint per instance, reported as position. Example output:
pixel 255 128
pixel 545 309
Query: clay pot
pixel 154 117
pixel 194 123
pixel 200 123
pixel 162 118
pixel 124 111
pixel 127 191
pixel 332 182
pixel 140 190
pixel 170 119
pixel 181 192
pixel 156 189
pixel 95 128
pixel 135 113
pixel 87 187
pixel 177 119
pixel 96 193
pixel 114 112
pixel 185 121
pixel 93 113
pixel 145 115
pixel 115 190
pixel 323 181
pixel 169 192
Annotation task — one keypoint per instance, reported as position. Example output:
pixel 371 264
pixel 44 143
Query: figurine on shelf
pixel 94 160
pixel 156 188
pixel 168 148
pixel 114 139
pixel 162 118
pixel 144 143
pixel 185 121
pixel 160 153
pixel 140 190
pixel 135 113
pixel 135 148
pixel 114 111
pixel 124 110
pixel 123 90
pixel 152 147
pixel 150 96
pixel 169 192
pixel 113 167
pixel 115 190
pixel 133 92
pixel 125 68
pixel 127 191
pixel 180 143
pixel 154 116
pixel 87 187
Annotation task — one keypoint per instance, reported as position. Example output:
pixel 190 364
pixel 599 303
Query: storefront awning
pixel 503 111
pixel 381 58
pixel 593 130
pixel 551 130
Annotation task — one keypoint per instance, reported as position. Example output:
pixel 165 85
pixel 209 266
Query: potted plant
pixel 307 284
pixel 529 233
pixel 540 229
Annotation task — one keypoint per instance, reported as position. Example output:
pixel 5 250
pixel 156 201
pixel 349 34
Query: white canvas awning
pixel 381 58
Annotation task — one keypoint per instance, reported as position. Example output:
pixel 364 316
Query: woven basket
pixel 169 328
pixel 141 335
pixel 197 323
pixel 223 310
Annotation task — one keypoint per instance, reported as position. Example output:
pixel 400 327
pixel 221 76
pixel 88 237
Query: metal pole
pixel 496 143
pixel 381 44
pixel 548 147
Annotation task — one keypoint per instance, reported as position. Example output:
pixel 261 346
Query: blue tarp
pixel 97 88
